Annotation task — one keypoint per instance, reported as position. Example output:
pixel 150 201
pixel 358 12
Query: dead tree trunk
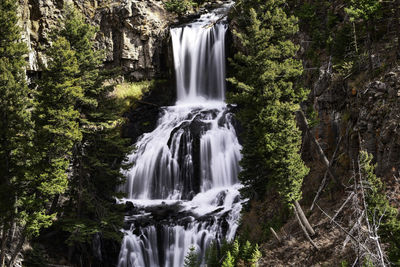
pixel 369 47
pixel 323 183
pixel 303 218
pixel 18 247
pixel 3 244
pixel 304 124
pixel 355 37
pixel 275 235
pixel 304 229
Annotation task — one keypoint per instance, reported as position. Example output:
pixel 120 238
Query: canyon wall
pixel 134 34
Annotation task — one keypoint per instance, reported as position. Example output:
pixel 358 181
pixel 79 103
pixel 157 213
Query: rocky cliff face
pixel 133 33
pixel 367 115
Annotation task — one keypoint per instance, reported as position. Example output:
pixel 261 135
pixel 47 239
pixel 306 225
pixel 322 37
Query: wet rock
pixel 220 198
pixel 129 206
pixel 237 199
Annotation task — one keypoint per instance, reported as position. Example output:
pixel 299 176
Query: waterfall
pixel 183 188
pixel 199 57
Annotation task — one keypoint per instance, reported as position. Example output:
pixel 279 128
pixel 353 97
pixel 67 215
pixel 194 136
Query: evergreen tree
pixel 99 156
pixel 367 12
pixel 233 254
pixel 363 9
pixel 265 71
pixel 55 132
pixel 15 121
pixel 56 123
pixel 379 208
pixel 191 259
pixel 229 261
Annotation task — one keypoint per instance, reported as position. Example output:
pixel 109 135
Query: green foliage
pixel 363 9
pixel 66 141
pixel 232 254
pixel 229 261
pixel 310 18
pixel 264 75
pixel 212 255
pixel 365 13
pixel 342 44
pixel 312 117
pixel 179 7
pixel 327 32
pixel 23 193
pixel 134 90
pixel 127 94
pixel 35 257
pixel 379 207
pixel 57 130
pixel 98 157
pixel 15 121
pixel 192 258
pixel 36 137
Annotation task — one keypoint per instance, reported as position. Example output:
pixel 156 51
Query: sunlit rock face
pixel 134 34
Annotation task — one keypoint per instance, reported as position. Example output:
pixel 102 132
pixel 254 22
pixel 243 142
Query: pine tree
pixel 56 124
pixel 366 11
pixel 15 121
pixel 363 9
pixel 264 73
pixel 255 256
pixel 55 132
pixel 229 261
pixel 99 156
pixel 191 259
pixel 380 209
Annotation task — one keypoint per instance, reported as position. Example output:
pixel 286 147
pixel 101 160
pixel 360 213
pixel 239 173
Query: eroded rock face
pixel 366 116
pixel 133 33
pixel 379 121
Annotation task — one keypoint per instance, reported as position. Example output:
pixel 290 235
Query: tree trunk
pixel 275 235
pixel 13 223
pixel 369 47
pixel 3 245
pixel 304 218
pixel 302 120
pixel 54 204
pixel 304 229
pixel 323 182
pixel 355 37
pixel 18 247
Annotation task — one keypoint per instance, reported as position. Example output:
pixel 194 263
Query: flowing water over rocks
pixel 183 189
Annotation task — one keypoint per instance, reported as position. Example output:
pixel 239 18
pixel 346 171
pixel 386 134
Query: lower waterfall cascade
pixel 183 188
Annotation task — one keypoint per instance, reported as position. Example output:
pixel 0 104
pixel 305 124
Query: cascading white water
pixel 200 74
pixel 183 189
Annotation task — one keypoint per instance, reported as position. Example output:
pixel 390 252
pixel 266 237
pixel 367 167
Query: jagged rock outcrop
pixel 366 114
pixel 133 33
pixel 379 121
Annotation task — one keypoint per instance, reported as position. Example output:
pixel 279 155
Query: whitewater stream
pixel 183 190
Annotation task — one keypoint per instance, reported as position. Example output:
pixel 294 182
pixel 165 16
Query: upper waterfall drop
pixel 199 58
